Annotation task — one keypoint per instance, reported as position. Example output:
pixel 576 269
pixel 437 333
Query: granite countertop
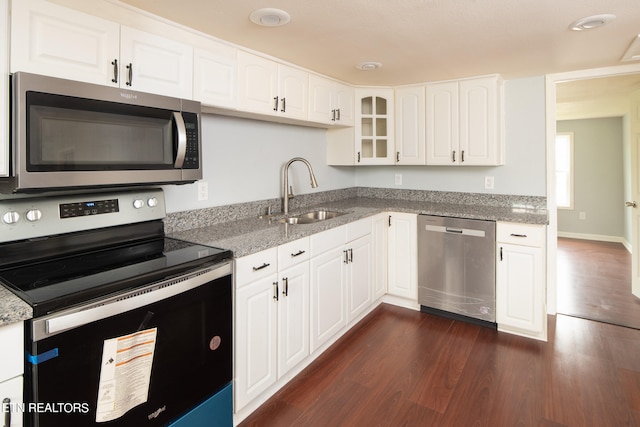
pixel 12 308
pixel 251 235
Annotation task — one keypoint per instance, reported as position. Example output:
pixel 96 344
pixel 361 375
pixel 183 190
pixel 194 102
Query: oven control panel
pixel 94 207
pixel 32 217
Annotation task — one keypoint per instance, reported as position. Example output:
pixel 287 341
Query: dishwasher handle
pixel 451 230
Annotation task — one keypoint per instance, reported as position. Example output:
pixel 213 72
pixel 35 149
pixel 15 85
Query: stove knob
pixel 137 203
pixel 11 217
pixel 152 202
pixel 34 215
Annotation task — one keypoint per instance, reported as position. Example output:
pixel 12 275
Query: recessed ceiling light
pixel 591 22
pixel 270 17
pixel 368 66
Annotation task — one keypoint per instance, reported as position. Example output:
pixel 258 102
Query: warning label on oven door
pixel 125 374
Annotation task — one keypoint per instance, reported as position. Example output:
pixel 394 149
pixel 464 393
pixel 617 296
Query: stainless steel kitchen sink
pixel 311 217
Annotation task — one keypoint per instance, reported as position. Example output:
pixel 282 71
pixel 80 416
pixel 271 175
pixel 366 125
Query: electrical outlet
pixel 398 179
pixel 203 191
pixel 489 182
pixel 583 215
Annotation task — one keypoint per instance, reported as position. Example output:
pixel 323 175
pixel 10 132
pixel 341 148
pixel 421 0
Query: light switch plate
pixel 203 191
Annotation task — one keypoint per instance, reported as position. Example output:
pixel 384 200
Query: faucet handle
pixel 290 194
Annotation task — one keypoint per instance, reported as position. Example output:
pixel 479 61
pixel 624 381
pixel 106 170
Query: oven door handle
pixel 48 326
pixel 181 152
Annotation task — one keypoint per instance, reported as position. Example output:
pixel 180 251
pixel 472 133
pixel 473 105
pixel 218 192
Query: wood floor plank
pixel 450 374
pixel 594 282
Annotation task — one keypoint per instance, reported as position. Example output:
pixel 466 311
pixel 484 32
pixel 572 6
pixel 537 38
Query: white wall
pixel 243 162
pixel 243 159
pixel 524 169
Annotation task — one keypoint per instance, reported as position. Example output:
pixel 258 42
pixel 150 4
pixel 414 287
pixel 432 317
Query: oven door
pixel 73 134
pixel 140 359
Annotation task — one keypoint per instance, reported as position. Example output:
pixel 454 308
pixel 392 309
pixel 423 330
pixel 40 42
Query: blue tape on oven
pixel 42 357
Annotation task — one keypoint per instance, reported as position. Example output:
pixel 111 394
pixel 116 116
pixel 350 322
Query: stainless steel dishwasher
pixel 456 268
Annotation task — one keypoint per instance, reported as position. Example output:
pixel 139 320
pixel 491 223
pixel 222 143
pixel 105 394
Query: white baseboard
pixel 596 237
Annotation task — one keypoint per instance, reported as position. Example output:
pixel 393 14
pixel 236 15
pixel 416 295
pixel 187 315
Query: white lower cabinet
pixel 271 317
pixel 11 370
pixel 341 279
pixel 403 255
pixel 10 395
pixel 379 242
pixel 520 280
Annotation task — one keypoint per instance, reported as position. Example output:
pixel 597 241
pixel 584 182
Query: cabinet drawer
pixel 256 266
pixel 12 354
pixel 328 240
pixel 293 253
pixel 520 234
pixel 358 229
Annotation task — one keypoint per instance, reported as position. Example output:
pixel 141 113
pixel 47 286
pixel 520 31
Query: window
pixel 564 170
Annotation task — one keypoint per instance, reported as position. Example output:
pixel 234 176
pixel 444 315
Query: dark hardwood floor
pixel 399 367
pixel 594 282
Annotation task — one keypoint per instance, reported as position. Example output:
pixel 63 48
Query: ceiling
pixel 419 40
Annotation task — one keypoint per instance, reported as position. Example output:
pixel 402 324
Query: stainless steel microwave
pixel 71 135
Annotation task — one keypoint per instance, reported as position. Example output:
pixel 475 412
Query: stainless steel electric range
pixel 130 327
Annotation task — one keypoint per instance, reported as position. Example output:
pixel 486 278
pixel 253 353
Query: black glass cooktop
pixel 55 283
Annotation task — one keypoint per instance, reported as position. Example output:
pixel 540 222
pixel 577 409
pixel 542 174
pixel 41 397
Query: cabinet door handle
pixel 350 254
pixel 276 297
pixel 501 257
pixel 130 68
pixel 275 107
pixel 333 115
pixel 338 111
pixel 358 157
pixel 285 282
pixel 346 256
pixel 518 235
pixel 6 404
pixel 462 156
pixel 453 157
pixel 397 157
pixel 300 252
pixel 265 265
pixel 389 220
pixel 115 71
pixel 284 105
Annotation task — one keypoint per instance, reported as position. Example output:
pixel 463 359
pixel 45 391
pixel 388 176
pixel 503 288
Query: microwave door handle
pixel 182 140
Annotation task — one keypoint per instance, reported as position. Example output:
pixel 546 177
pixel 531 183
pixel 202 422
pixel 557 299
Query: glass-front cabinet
pixel 374 131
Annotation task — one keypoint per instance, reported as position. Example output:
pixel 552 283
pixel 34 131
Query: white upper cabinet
pixel 266 87
pixel 155 64
pixel 60 42
pixel 410 125
pixel 330 102
pixel 374 127
pixel 215 75
pixel 465 122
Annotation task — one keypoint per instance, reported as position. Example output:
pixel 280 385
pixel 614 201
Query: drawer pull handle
pixel 276 297
pixel 300 252
pixel 265 265
pixel 518 235
pixel 6 402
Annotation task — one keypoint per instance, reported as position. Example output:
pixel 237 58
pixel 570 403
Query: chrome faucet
pixel 289 194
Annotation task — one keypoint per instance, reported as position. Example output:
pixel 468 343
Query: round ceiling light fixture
pixel 591 22
pixel 270 17
pixel 368 66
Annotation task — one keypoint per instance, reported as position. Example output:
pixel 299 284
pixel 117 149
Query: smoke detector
pixel 270 17
pixel 368 66
pixel 591 22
